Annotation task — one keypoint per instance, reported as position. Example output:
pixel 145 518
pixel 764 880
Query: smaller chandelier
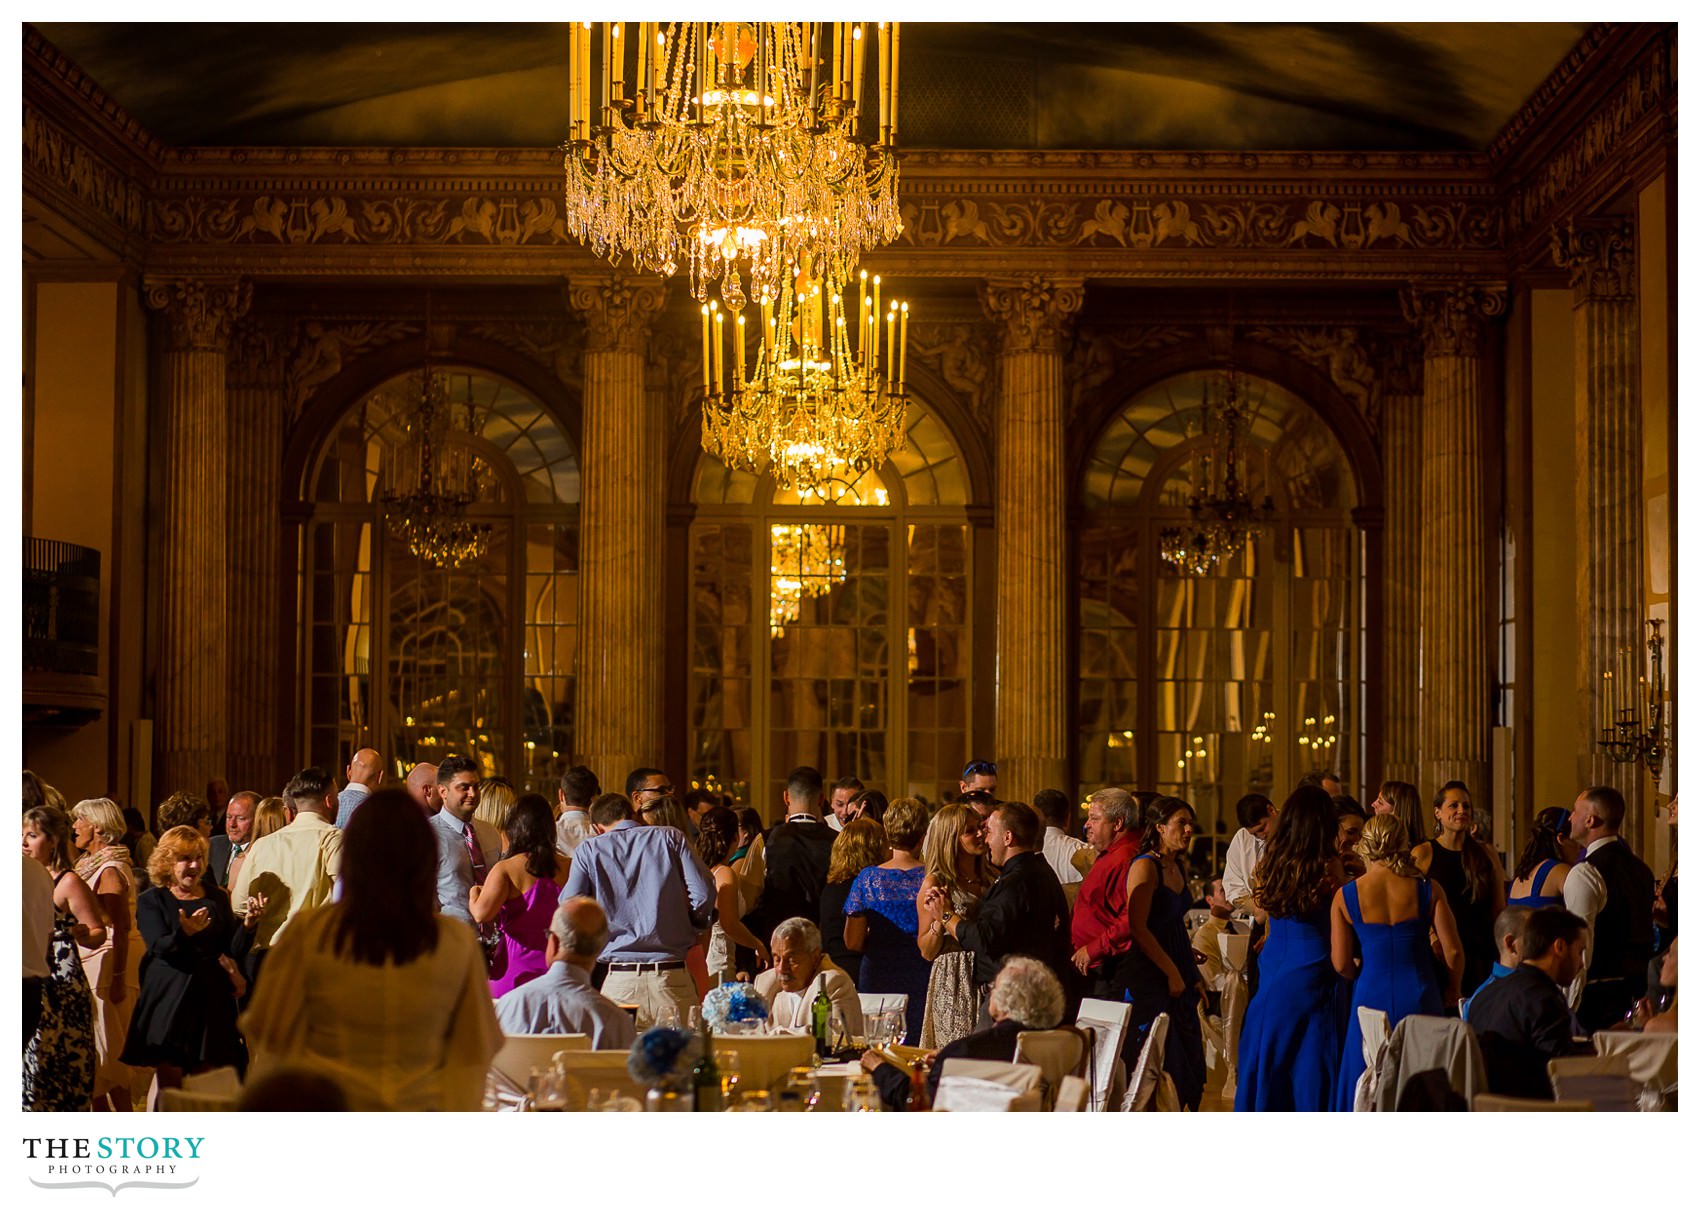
pixel 432 483
pixel 1223 517
pixel 820 406
pixel 807 561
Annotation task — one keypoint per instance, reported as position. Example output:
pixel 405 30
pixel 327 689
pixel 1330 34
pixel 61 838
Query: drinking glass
pixel 730 1064
pixel 859 1095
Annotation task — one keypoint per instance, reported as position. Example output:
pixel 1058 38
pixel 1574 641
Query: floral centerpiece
pixel 735 1007
pixel 663 1056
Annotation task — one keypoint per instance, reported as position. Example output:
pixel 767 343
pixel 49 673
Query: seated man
pixel 1026 997
pixel 1207 942
pixel 1506 928
pixel 1523 1020
pixel 800 971
pixel 561 999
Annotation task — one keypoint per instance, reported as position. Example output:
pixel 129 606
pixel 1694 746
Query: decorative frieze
pixel 51 152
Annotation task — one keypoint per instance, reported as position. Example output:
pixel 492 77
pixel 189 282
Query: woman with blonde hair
pixel 59 1058
pixel 880 915
pixel 1385 915
pixel 955 857
pixel 861 844
pixel 270 816
pixel 495 797
pixel 114 967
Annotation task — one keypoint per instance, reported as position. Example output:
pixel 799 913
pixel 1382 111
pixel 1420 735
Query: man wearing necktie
pixel 465 848
pixel 238 825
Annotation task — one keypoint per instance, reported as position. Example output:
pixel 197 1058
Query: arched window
pixel 833 633
pixel 420 661
pixel 1209 687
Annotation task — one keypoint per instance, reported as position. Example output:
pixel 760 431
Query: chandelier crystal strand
pixel 735 148
pixel 820 406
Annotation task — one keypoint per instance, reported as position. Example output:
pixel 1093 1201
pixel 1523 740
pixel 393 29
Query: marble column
pixel 1455 609
pixel 1032 676
pixel 1401 462
pixel 622 556
pixel 192 678
pixel 254 473
pixel 1611 606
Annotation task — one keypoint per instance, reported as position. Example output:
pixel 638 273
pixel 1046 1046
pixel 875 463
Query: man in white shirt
pixel 579 786
pixel 844 794
pixel 1611 890
pixel 561 999
pixel 1062 848
pixel 799 972
pixel 1256 813
pixel 296 867
pixel 365 772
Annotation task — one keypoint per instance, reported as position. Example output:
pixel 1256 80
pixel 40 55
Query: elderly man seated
pixel 799 972
pixel 1026 996
pixel 561 999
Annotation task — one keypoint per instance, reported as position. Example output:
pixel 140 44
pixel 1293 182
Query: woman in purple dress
pixel 521 893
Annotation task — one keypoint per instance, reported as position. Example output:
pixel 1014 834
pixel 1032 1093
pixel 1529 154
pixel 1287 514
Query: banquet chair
pixel 1431 1064
pixel 1019 1079
pixel 1059 1053
pixel 1072 1095
pixel 872 1003
pixel 1108 1023
pixel 1236 949
pixel 1509 1103
pixel 520 1054
pixel 764 1061
pixel 1144 1084
pixel 1373 1025
pixel 1652 1055
pixel 604 1070
pixel 1602 1081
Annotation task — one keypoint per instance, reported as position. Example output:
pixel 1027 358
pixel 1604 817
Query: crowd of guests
pixel 383 939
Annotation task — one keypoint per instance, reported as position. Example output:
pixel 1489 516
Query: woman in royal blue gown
pixel 1290 1044
pixel 1384 916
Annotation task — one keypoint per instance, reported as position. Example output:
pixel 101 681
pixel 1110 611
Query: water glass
pixel 730 1064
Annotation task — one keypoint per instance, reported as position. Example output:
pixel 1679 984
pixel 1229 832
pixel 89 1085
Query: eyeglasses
pixel 980 767
pixel 665 789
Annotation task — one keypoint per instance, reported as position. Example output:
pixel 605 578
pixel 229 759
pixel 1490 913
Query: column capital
pixel 617 309
pixel 201 311
pixel 1450 316
pixel 1600 255
pixel 1035 313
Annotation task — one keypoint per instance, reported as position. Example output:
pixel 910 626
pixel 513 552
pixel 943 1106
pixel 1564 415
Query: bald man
pixel 421 784
pixel 562 999
pixel 365 773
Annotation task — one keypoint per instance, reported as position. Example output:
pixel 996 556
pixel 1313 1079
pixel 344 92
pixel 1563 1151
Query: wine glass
pixel 730 1064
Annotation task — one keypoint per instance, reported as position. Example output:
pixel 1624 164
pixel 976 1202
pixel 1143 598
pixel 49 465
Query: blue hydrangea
pixel 734 1007
pixel 663 1053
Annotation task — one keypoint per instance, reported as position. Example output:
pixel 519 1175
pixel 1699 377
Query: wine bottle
pixel 820 1016
pixel 917 1100
pixel 705 1076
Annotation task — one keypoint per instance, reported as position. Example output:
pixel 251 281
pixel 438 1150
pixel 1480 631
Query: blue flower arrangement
pixel 662 1053
pixel 734 1006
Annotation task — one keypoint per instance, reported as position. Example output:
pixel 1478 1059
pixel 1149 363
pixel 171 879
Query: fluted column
pixel 1454 607
pixel 618 710
pixel 254 472
pixel 1402 468
pixel 1032 679
pixel 191 683
pixel 1611 599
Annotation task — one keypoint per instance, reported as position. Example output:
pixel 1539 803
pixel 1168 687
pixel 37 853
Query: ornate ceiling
pixel 1174 86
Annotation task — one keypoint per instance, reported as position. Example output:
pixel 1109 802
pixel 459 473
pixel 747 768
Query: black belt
pixel 647 966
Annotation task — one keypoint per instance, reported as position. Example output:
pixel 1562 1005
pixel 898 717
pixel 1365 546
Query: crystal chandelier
pixel 807 560
pixel 1223 516
pixel 433 481
pixel 738 148
pixel 819 405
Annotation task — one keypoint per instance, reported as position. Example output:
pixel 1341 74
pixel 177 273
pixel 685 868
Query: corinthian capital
pixel 616 309
pixel 201 311
pixel 1451 318
pixel 1035 313
pixel 1600 255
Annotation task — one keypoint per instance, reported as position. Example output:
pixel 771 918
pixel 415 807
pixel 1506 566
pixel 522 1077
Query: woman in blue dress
pixel 1538 879
pixel 1290 1043
pixel 1384 916
pixel 881 917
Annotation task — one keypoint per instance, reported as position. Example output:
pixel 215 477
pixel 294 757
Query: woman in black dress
pixel 1158 972
pixel 1472 878
pixel 185 1018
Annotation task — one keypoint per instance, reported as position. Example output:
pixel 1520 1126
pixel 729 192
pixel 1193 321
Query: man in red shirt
pixel 1099 929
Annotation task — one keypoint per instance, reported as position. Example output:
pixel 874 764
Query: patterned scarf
pixel 94 861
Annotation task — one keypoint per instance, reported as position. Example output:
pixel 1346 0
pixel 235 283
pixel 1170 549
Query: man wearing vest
pixel 1612 891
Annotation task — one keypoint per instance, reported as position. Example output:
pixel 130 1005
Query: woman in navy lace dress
pixel 881 917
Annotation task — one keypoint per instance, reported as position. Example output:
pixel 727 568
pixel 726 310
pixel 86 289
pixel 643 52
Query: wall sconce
pixel 1626 734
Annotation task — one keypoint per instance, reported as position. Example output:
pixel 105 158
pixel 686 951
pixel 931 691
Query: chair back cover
pixel 1143 1084
pixel 1652 1055
pixel 1108 1021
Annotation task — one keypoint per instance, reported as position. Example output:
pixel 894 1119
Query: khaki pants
pixel 657 995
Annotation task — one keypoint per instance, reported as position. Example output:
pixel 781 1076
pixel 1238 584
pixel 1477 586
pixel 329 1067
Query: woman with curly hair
pixel 717 831
pixel 1385 916
pixel 1538 879
pixel 861 844
pixel 1290 1044
pixel 59 1058
pixel 521 892
pixel 114 967
pixel 954 853
pixel 185 1019
pixel 1470 875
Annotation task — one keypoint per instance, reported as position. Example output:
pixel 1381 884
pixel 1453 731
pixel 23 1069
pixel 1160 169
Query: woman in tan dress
pixel 114 968
pixel 954 853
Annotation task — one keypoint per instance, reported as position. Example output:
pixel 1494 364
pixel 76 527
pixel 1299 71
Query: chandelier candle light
pixel 1224 518
pixel 739 148
pixel 821 405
